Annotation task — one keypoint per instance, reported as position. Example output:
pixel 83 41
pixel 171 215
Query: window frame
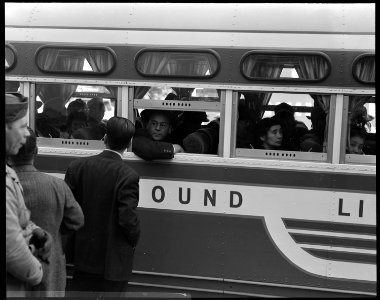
pixel 323 157
pixel 290 53
pixel 184 50
pixel 76 47
pixel 14 51
pixel 347 158
pixel 354 63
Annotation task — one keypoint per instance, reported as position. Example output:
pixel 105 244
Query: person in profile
pixel 268 134
pixel 23 255
pixel 107 189
pixel 53 207
pixel 155 140
pixel 95 129
pixel 357 140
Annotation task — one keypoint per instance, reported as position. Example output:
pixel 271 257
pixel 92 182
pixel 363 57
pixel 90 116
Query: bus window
pixel 63 59
pixel 361 129
pixel 177 63
pixel 72 111
pixel 290 126
pixel 364 69
pixel 269 66
pixel 10 57
pixel 195 112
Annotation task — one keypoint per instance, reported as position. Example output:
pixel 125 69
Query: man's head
pixel 76 105
pixel 158 123
pixel 16 108
pixel 27 152
pixel 119 133
pixel 96 110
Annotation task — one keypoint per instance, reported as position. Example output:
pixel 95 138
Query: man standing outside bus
pixel 108 191
pixel 24 270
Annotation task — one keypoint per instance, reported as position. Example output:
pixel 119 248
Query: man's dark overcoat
pixel 108 191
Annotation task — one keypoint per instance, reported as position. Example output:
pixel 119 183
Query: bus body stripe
pixel 333 241
pixel 345 256
pixel 329 226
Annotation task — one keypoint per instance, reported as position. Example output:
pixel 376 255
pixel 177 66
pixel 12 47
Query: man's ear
pixel 170 129
pixel 262 138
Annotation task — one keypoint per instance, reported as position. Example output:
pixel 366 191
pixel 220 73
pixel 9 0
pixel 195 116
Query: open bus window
pixel 289 126
pixel 96 60
pixel 195 115
pixel 269 66
pixel 361 129
pixel 72 111
pixel 10 57
pixel 363 69
pixel 177 63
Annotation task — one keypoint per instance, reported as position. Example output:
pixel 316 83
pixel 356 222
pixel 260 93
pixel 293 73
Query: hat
pixel 195 115
pixel 360 114
pixel 147 113
pixel 16 107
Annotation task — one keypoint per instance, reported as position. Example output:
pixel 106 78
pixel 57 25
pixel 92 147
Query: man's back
pixel 107 190
pixel 53 208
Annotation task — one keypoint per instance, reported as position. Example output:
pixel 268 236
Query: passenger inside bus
pixel 292 129
pixel 52 120
pixel 95 129
pixel 155 141
pixel 312 141
pixel 75 121
pixel 357 140
pixel 77 105
pixel 268 134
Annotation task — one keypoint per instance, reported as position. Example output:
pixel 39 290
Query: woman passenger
pixel 268 134
pixel 357 139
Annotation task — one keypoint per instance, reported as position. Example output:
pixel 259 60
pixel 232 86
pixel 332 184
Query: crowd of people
pixel 160 133
pixel 95 206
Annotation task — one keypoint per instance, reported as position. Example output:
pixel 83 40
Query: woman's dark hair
pixel 358 131
pixel 261 129
pixel 119 133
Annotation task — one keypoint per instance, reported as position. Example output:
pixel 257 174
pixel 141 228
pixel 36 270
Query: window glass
pixel 194 116
pixel 177 63
pixel 282 121
pixel 10 57
pixel 364 69
pixel 289 66
pixel 361 130
pixel 75 60
pixel 74 111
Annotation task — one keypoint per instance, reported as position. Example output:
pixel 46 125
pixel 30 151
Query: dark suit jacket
pixel 108 191
pixel 145 147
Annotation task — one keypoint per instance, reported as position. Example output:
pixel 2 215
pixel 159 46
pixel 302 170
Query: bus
pixel 239 221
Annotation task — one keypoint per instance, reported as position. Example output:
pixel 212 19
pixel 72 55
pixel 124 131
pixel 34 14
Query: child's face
pixel 356 145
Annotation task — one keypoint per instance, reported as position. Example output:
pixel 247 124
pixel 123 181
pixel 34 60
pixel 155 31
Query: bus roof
pixel 243 17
